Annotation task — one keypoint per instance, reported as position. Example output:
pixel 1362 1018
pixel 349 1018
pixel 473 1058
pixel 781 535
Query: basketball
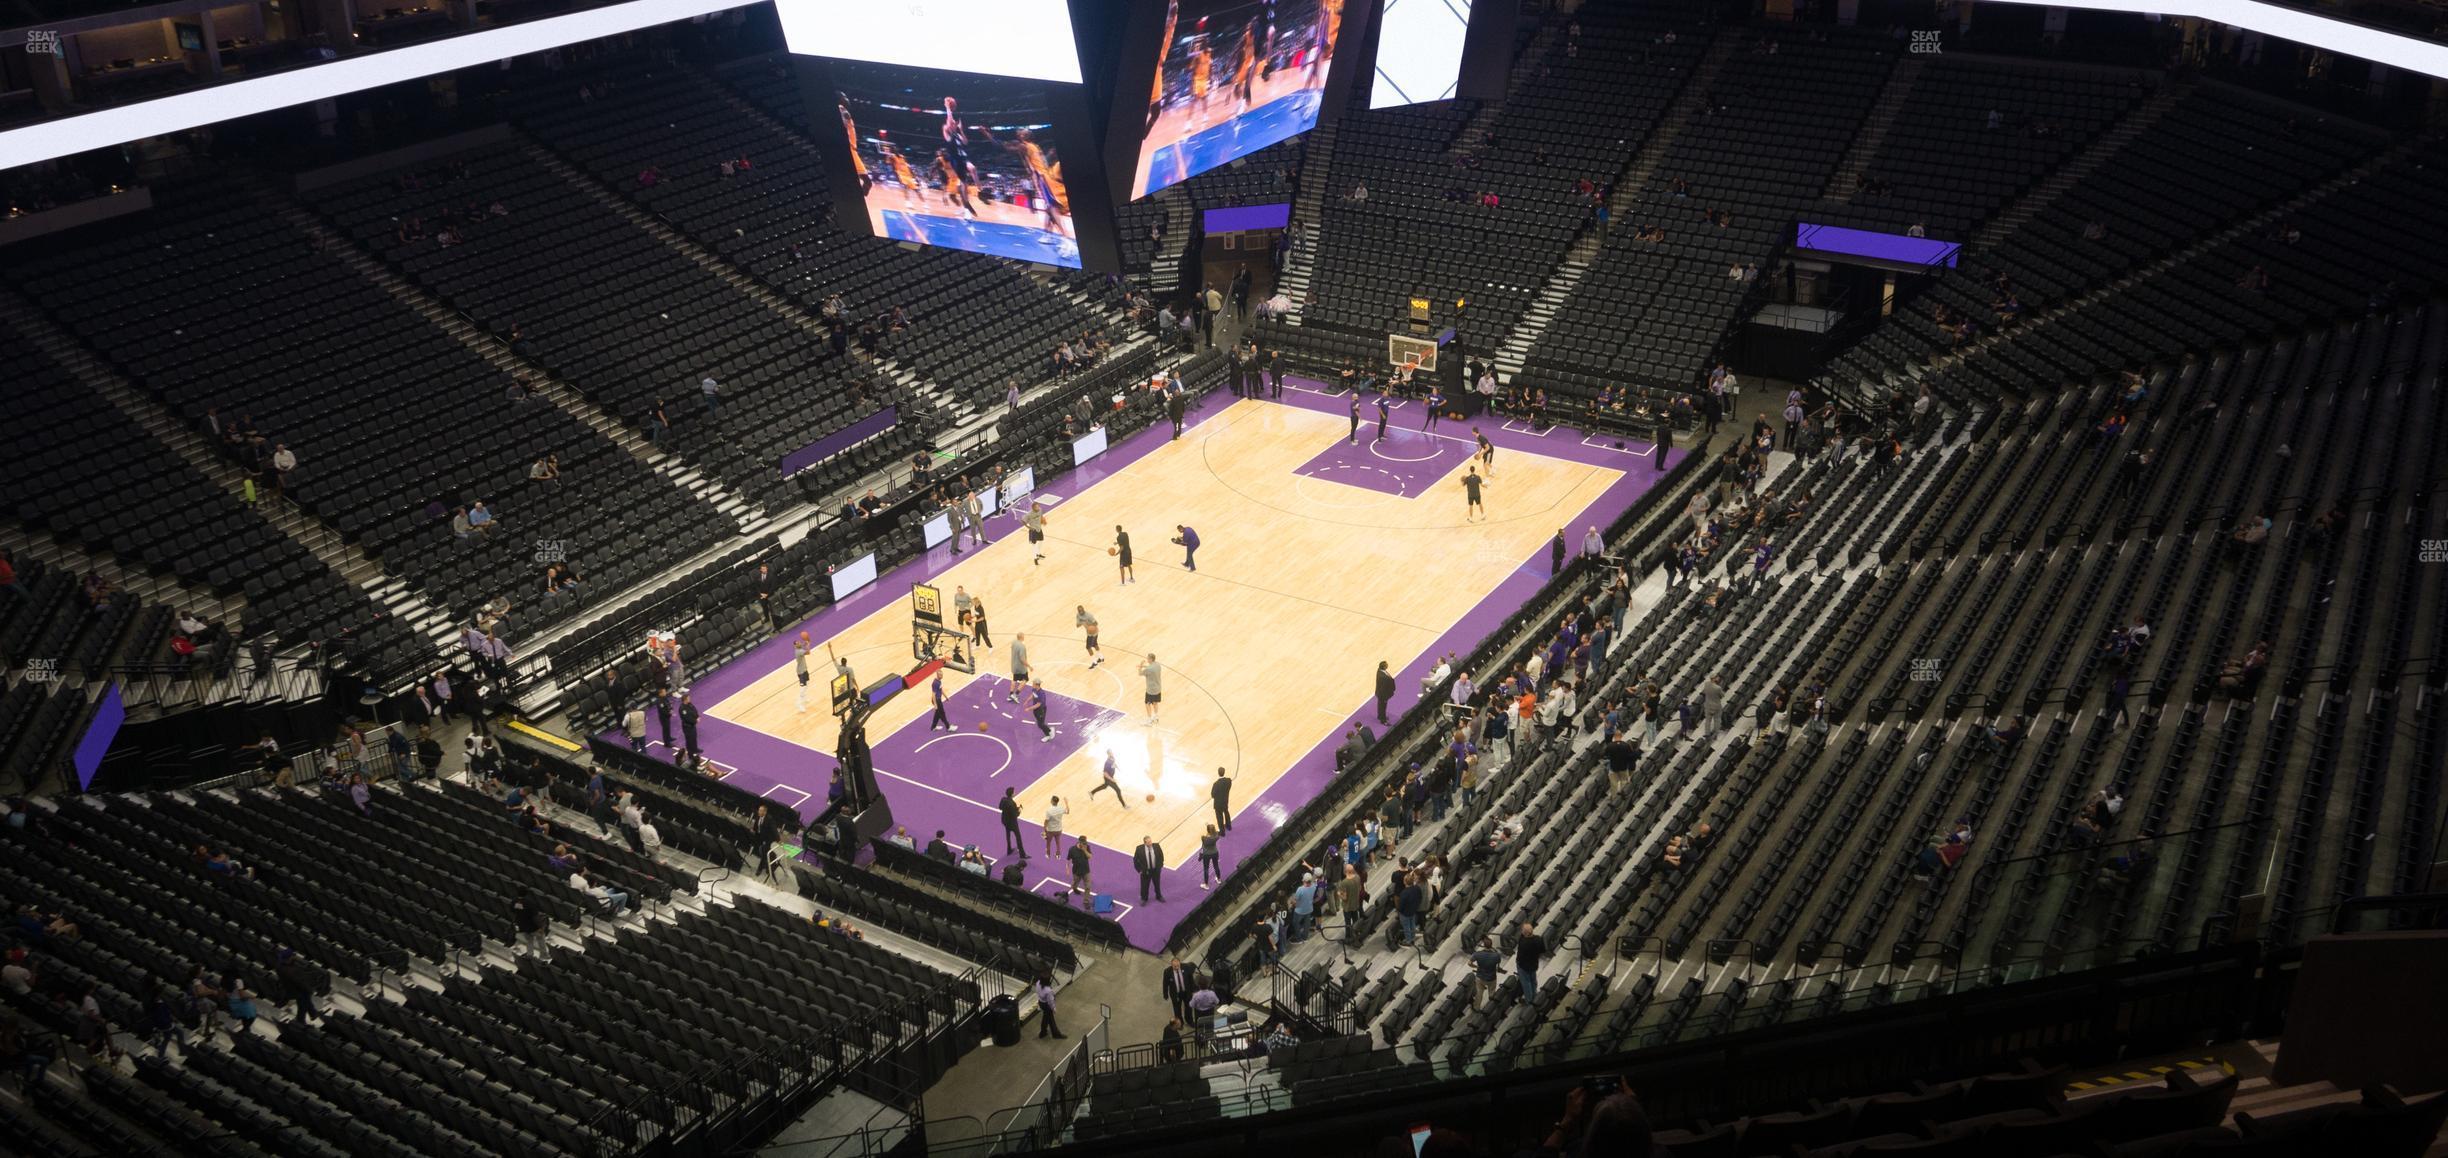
pixel 981 725
pixel 1151 798
pixel 1113 550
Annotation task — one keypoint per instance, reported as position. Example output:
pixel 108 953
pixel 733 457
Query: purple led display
pixel 1868 243
pixel 1243 218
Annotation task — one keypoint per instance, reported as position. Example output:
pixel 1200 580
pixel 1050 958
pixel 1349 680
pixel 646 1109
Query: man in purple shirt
pixel 1189 540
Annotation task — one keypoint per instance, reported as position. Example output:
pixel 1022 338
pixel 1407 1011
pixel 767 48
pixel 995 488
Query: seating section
pixel 640 1038
pixel 395 425
pixel 2321 262
pixel 603 305
pixel 1944 164
pixel 2013 819
pixel 76 468
pixel 1774 123
pixel 40 724
pixel 1572 117
pixel 2215 157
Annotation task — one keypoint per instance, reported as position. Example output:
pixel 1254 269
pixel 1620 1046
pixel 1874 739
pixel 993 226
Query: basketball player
pixel 1109 784
pixel 1122 555
pixel 1245 67
pixel 1154 675
pixel 1052 824
pixel 1019 667
pixel 1088 623
pixel 799 658
pixel 1037 709
pixel 956 140
pixel 858 164
pixel 900 168
pixel 1329 26
pixel 1053 198
pixel 1487 452
pixel 1035 522
pixel 955 191
pixel 1164 51
pixel 1471 483
pixel 1202 74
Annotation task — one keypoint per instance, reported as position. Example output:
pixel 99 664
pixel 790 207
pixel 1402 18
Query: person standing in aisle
pixel 1088 623
pixel 1045 1008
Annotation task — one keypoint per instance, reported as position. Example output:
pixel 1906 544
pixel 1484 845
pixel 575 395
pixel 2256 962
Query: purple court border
pixel 797 776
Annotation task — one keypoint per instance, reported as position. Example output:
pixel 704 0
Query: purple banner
pixel 1867 243
pixel 1243 218
pixel 840 440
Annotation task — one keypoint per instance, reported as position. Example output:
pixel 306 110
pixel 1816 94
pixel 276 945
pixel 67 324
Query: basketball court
pixel 1319 558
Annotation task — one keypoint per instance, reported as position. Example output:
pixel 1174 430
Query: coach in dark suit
pixel 1180 981
pixel 1149 859
pixel 1221 793
pixel 1385 689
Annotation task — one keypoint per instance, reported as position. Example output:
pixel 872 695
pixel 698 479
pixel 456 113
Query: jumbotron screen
pixel 1419 51
pixel 958 160
pixel 1023 38
pixel 1231 78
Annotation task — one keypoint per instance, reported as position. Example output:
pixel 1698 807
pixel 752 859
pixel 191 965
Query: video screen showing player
pixel 957 160
pixel 1232 77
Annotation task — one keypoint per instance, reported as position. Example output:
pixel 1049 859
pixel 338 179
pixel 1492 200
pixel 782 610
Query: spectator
pixel 1615 1126
pixel 1046 1025
pixel 534 927
pixel 2239 677
pixel 241 1005
pixel 1484 962
pixel 299 983
pixel 611 899
pixel 1528 950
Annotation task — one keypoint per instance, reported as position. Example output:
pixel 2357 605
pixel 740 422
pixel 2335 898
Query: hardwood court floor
pixel 1303 586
